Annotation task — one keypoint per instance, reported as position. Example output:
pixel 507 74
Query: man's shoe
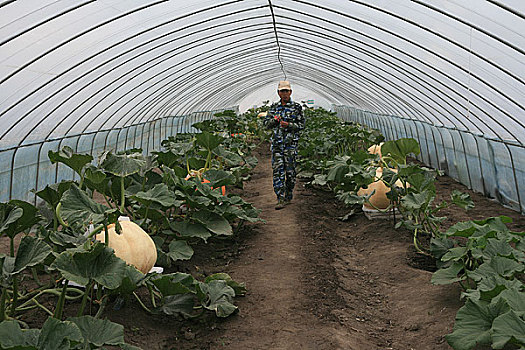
pixel 280 204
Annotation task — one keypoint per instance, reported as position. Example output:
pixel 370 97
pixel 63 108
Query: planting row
pixel 95 241
pixel 484 256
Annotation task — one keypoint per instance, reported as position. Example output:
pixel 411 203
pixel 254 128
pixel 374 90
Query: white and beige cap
pixel 284 85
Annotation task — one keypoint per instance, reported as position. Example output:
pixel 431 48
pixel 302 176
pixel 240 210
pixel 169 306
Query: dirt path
pixel 274 313
pixel 318 283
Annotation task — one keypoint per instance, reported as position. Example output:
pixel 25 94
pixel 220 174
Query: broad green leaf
pixel 59 335
pixel 99 264
pixel 473 324
pixel 180 250
pixel 219 297
pixel 67 156
pixel 67 239
pixel 506 328
pixel 462 200
pixel 160 194
pixel 13 337
pixel 78 209
pixel 400 149
pixel 498 265
pixel 514 297
pixel 176 283
pixel 187 229
pixel 213 222
pixel 131 281
pixel 9 214
pixel 239 288
pixel 17 216
pixel 177 304
pixel 99 332
pixel 219 178
pixel 440 245
pixel 31 251
pixel 417 201
pixel 208 141
pixel 94 174
pixel 491 286
pixel 123 164
pixel 448 275
pixel 455 254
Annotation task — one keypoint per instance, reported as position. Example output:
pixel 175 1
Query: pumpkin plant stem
pixel 2 304
pixel 61 301
pixel 103 303
pixel 15 278
pixel 141 303
pixel 84 299
pixel 150 288
pixel 122 194
pixel 106 233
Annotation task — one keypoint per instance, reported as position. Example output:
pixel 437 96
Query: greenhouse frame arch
pixel 112 74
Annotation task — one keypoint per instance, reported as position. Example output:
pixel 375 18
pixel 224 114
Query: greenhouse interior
pixel 87 84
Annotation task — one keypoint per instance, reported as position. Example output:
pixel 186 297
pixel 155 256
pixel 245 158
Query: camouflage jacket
pixel 291 112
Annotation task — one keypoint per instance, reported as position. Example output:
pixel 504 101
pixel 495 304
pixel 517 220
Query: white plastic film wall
pixel 449 72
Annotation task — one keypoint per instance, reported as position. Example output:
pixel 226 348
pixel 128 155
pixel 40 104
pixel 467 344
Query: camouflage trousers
pixel 283 165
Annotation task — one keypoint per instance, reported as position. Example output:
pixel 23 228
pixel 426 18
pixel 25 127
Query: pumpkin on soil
pixel 133 245
pixel 379 198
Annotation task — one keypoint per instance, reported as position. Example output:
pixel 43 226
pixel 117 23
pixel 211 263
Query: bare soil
pixel 314 281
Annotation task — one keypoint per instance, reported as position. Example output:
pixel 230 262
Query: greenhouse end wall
pixel 27 167
pixel 493 167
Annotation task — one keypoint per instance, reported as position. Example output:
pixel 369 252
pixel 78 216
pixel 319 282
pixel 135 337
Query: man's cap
pixel 284 85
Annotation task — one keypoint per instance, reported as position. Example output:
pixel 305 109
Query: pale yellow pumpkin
pixel 262 114
pixel 379 198
pixel 375 149
pixel 133 245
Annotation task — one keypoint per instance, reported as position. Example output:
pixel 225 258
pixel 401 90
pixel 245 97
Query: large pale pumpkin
pixel 262 114
pixel 133 245
pixel 379 198
pixel 375 149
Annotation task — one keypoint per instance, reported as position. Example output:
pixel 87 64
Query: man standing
pixel 286 120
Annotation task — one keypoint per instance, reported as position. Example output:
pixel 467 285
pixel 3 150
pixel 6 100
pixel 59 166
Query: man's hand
pixel 284 124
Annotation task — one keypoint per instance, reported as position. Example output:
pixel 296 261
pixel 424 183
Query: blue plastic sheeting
pixel 493 167
pixel 26 168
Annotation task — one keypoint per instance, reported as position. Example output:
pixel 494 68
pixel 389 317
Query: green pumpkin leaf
pixel 219 297
pixel 67 156
pixel 177 304
pixel 189 230
pixel 99 264
pixel 13 337
pixel 9 215
pixel 462 200
pixel 400 149
pixel 180 250
pixel 208 141
pixel 508 328
pixel 123 164
pixel 498 265
pixel 78 209
pixel 175 283
pixel 219 178
pixel 213 222
pixel 98 332
pixel 59 335
pixel 131 281
pixel 448 275
pixel 160 194
pixel 474 322
pixel 239 288
pixel 31 251
pixel 94 174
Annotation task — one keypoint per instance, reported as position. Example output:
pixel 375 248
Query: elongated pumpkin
pixel 133 245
